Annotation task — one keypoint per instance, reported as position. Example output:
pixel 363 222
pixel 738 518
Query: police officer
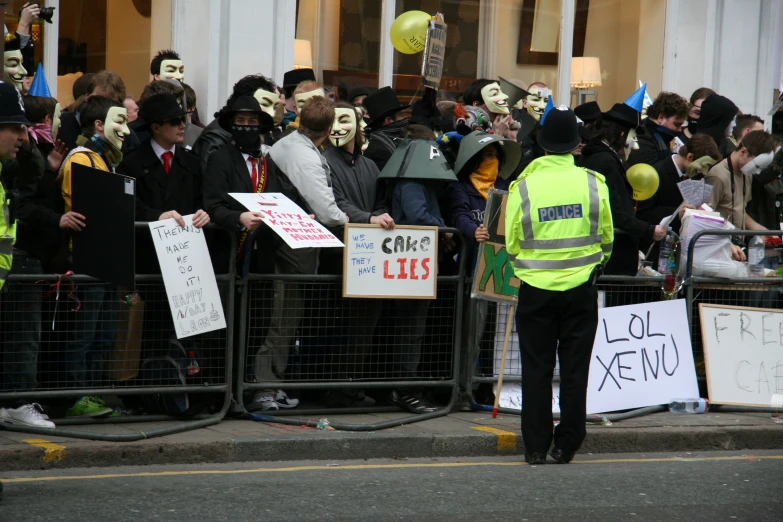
pixel 559 233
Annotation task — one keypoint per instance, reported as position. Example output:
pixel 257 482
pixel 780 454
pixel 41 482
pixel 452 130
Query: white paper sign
pixel 288 220
pixel 401 263
pixel 641 357
pixel 743 353
pixel 189 278
pixel 511 396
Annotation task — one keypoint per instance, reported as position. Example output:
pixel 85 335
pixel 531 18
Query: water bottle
pixel 689 406
pixel 193 367
pixel 667 249
pixel 756 251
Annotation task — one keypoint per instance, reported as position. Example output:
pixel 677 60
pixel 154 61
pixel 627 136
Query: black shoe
pixel 411 403
pixel 535 458
pixel 560 456
pixel 348 398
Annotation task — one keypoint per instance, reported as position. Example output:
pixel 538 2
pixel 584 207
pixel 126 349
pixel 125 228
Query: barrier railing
pixel 754 292
pixel 64 337
pixel 300 334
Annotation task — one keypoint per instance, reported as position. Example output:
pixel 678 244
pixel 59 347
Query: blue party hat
pixel 647 100
pixel 549 106
pixel 39 86
pixel 636 100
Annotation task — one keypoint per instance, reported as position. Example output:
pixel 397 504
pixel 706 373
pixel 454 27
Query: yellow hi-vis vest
pixel 558 223
pixel 7 237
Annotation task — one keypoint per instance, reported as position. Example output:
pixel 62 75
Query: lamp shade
pixel 303 54
pixel 585 72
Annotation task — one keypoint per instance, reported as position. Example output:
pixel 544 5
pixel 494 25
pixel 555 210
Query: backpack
pixel 169 369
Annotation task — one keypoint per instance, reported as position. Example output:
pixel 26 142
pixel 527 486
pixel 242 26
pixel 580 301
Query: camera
pixel 46 13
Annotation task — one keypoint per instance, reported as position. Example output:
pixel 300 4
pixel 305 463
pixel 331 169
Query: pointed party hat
pixel 549 106
pixel 39 86
pixel 636 100
pixel 647 100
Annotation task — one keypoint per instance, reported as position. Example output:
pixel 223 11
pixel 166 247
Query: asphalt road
pixel 706 486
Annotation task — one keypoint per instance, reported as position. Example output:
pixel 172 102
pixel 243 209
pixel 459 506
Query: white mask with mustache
pixel 344 127
pixel 495 99
pixel 115 127
pixel 535 102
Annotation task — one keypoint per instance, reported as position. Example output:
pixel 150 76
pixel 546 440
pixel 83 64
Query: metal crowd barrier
pixel 337 343
pixel 753 292
pixel 94 343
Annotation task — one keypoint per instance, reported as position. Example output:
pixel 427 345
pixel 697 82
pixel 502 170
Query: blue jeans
pixel 22 317
pixel 92 333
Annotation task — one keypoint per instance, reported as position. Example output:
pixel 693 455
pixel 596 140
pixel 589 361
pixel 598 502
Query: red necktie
pixel 166 157
pixel 254 174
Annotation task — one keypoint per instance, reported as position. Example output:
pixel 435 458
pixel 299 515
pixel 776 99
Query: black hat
pixel 560 132
pixel 159 107
pixel 11 106
pixel 12 42
pixel 245 104
pixel 297 76
pixel 355 92
pixel 623 114
pixel 716 113
pixel 588 112
pixel 514 91
pixel 382 103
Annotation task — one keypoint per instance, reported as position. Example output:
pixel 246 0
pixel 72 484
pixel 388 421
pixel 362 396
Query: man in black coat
pixel 387 123
pixel 664 122
pixel 615 137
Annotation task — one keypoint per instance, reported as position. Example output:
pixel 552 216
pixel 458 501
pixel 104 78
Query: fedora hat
pixel 245 104
pixel 588 112
pixel 296 76
pixel 161 107
pixel 382 103
pixel 623 114
pixel 560 132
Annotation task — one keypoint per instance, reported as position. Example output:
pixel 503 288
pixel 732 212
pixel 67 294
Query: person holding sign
pixel 104 128
pixel 559 232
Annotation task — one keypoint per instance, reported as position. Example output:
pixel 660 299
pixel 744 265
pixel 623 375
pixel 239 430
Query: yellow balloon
pixel 409 32
pixel 644 181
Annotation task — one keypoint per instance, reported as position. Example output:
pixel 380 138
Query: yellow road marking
pixel 507 440
pixel 372 466
pixel 52 451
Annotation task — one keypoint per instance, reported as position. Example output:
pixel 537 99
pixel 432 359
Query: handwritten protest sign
pixel 434 53
pixel 188 276
pixel 493 279
pixel 641 356
pixel 400 263
pixel 743 353
pixel 288 220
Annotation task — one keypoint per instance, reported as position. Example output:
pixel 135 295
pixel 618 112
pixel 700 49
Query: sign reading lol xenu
pixel 641 357
pixel 401 263
pixel 188 276
pixel 493 279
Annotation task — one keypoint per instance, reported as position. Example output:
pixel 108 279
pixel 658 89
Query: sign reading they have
pixel 189 278
pixel 743 353
pixel 641 357
pixel 493 279
pixel 288 220
pixel 400 263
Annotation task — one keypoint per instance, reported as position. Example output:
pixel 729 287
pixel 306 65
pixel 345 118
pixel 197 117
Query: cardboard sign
pixel 493 278
pixel 641 357
pixel 743 353
pixel 187 273
pixel 434 53
pixel 105 248
pixel 288 220
pixel 400 263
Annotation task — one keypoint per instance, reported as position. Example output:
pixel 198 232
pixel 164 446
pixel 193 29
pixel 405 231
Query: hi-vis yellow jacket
pixel 558 223
pixel 7 237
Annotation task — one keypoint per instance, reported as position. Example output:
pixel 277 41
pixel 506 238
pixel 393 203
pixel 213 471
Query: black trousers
pixel 549 324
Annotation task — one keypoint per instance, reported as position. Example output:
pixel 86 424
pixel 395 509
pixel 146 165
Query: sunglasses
pixel 176 122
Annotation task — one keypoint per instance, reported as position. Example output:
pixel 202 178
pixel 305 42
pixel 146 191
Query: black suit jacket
pixel 158 192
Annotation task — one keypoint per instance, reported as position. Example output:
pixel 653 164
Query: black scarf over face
pixel 247 138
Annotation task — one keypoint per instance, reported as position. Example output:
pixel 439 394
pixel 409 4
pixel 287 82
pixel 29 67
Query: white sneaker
pixel 263 402
pixel 284 401
pixel 27 415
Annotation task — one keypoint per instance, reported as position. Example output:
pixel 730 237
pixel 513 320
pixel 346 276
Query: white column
pixel 51 47
pixel 386 64
pixel 567 8
pixel 487 39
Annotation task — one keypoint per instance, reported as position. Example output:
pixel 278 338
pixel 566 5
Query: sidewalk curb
pixel 336 445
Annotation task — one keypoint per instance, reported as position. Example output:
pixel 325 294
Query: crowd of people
pixel 346 155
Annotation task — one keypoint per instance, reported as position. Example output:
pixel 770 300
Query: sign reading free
pixel 400 263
